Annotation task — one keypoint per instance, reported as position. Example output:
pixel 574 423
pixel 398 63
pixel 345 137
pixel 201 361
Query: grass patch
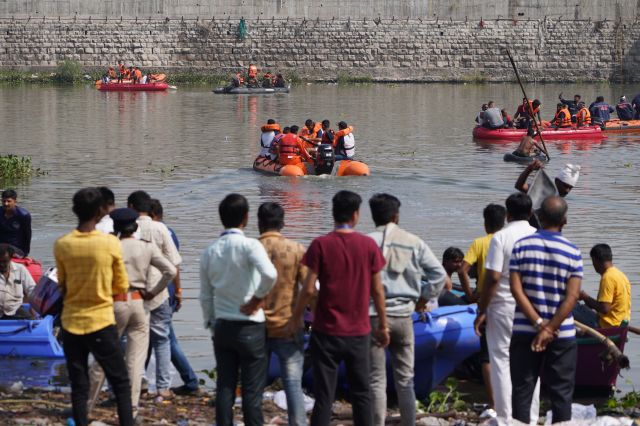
pixel 195 78
pixel 292 77
pixel 476 78
pixel 14 168
pixel 68 72
pixel 347 78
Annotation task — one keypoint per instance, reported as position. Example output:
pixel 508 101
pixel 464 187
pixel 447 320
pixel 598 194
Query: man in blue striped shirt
pixel 545 278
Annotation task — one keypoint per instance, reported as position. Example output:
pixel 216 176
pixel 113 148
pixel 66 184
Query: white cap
pixel 569 174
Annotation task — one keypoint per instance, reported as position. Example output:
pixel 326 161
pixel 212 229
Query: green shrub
pixel 13 167
pixel 68 72
pixel 347 78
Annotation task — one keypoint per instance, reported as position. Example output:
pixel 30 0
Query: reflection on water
pixel 34 373
pixel 190 147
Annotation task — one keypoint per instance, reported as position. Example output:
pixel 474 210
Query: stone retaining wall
pixel 386 50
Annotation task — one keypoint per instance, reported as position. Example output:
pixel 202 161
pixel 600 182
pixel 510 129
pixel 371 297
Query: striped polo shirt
pixel 545 260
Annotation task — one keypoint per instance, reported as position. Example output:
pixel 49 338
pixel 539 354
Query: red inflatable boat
pixel 571 133
pixel 131 87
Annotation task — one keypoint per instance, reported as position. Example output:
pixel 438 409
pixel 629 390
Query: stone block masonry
pixel 385 49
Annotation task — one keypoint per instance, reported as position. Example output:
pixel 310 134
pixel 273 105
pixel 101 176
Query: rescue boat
pixel 617 125
pixel 340 168
pixel 509 135
pixel 243 90
pixel 131 87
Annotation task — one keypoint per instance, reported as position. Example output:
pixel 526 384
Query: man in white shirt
pixel 497 305
pixel 15 284
pixel 161 312
pixel 236 274
pixel 106 223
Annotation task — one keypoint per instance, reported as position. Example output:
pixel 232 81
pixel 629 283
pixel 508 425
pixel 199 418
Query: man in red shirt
pixel 348 266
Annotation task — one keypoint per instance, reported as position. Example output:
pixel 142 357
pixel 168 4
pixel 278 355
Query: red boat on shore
pixel 594 374
pixel 510 135
pixel 131 87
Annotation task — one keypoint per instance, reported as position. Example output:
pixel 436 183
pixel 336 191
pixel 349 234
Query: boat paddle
pixel 535 122
pixel 613 352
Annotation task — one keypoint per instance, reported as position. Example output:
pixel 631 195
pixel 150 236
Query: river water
pixel 190 147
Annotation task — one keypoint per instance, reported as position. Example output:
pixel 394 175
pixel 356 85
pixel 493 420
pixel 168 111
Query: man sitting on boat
pixel 269 132
pixel 344 143
pixel 624 109
pixel 526 113
pixel 252 74
pixel 562 118
pixel 16 284
pixel 600 111
pixel 309 132
pixel 613 305
pixel 492 117
pixel 583 116
pixel 280 81
pixel 291 150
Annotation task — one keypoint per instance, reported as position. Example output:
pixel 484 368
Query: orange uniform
pixel 562 118
pixel 583 117
pixel 291 151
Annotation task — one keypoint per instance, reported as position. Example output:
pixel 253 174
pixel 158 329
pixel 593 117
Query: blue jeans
pixel 160 324
pixel 291 359
pixel 180 361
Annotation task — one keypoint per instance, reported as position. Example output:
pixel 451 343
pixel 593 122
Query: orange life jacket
pixel 253 71
pixel 271 128
pixel 123 70
pixel 340 133
pixel 562 121
pixel 531 110
pixel 313 134
pixel 289 149
pixel 138 74
pixel 583 117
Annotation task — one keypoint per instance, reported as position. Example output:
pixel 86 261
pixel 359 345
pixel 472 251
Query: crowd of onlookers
pixel 358 292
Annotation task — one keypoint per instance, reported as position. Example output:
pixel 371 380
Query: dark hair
pixel 271 121
pixel 342 125
pixel 452 253
pixel 494 215
pixel 553 211
pixel 530 131
pixel 577 96
pixel 108 196
pixel 536 102
pixel 326 123
pixel 125 228
pixel 600 99
pixel 602 253
pixel 270 216
pixel 87 203
pixel 286 130
pixel 7 249
pixel 345 204
pixel 9 193
pixel 232 210
pixel 383 208
pixel 308 122
pixel 155 207
pixel 140 201
pixel 294 129
pixel 519 206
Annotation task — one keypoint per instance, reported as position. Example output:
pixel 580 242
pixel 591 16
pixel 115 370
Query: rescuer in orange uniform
pixel 291 150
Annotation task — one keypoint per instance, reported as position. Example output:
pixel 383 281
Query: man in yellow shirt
pixel 90 272
pixel 613 305
pixel 494 216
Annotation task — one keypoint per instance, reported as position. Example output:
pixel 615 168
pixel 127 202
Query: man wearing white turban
pixel 543 187
pixel 564 181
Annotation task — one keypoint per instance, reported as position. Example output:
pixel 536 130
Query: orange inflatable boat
pixel 340 168
pixel 616 125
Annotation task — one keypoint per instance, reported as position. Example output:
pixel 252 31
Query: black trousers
pixel 326 354
pixel 556 365
pixel 240 345
pixel 104 345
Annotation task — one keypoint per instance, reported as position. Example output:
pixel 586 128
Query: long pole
pixel 535 122
pixel 621 359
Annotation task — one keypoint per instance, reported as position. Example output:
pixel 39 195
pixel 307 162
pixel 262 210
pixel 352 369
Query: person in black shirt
pixel 15 223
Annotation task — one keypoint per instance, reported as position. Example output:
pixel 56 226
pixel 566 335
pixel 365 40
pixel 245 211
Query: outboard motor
pixel 325 159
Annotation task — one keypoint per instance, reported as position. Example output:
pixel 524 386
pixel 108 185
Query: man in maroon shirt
pixel 348 266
